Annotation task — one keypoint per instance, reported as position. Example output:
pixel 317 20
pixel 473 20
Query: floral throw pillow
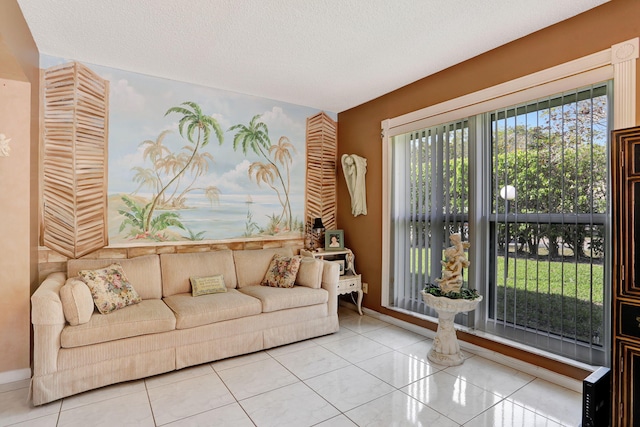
pixel 110 288
pixel 282 271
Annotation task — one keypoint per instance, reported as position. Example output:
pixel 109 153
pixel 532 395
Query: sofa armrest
pixel 330 278
pixel 48 321
pixel 46 306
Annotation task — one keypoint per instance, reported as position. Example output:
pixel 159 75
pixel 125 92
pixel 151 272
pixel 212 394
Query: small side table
pixel 350 281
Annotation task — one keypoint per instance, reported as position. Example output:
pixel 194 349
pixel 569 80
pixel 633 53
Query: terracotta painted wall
pixel 19 75
pixel 359 127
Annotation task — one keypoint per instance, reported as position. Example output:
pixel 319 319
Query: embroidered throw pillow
pixel 207 285
pixel 282 272
pixel 110 288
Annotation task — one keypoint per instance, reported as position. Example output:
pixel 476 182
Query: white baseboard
pixel 15 375
pixel 528 368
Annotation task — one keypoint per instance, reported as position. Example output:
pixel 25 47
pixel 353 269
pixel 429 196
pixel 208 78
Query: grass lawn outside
pixel 561 298
pixel 551 296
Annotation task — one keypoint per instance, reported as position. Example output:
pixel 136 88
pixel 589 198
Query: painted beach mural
pixel 188 162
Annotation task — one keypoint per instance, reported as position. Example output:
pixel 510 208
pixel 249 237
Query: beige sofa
pixel 170 329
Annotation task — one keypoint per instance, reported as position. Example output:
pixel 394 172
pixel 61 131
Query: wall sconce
pixel 4 145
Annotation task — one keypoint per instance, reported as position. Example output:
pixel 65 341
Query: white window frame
pixel 617 63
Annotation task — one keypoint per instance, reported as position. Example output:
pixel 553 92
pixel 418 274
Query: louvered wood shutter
pixel 75 128
pixel 322 155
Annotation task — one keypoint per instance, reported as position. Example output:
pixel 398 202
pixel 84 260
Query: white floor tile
pixel 310 362
pixel 419 351
pixel 290 348
pixel 494 377
pixel 394 337
pixel 357 348
pixel 255 378
pixel 342 333
pixel 16 407
pixel 344 311
pixel 16 385
pixel 550 400
pixel 349 387
pixel 46 421
pixel 175 376
pixel 189 397
pixel 233 362
pixel 453 397
pixel 228 415
pixel 339 421
pixel 127 410
pixel 396 369
pixel 104 393
pixel 398 410
pixel 362 324
pixel 295 405
pixel 508 414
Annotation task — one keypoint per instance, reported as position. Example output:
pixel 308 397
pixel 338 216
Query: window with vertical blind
pixel 536 174
pixel 548 221
pixel 429 202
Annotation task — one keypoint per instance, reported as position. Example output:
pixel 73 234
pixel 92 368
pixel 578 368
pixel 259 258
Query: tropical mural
pixel 188 162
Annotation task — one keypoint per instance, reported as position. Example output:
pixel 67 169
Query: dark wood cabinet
pixel 625 157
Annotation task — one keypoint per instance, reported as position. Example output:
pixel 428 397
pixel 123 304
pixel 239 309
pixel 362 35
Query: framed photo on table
pixel 333 240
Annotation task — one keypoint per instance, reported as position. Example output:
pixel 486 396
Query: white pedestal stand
pixel 446 350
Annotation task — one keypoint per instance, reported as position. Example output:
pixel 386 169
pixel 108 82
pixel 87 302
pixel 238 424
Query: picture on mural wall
pixel 188 162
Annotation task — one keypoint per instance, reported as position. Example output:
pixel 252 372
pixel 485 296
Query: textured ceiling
pixel 327 54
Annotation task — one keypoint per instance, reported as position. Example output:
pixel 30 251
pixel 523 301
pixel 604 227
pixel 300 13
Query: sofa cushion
pixel 110 288
pixel 282 271
pixel 251 265
pixel 143 272
pixel 77 302
pixel 207 285
pixel 191 312
pixel 178 268
pixel 149 317
pixel 274 299
pixel 310 273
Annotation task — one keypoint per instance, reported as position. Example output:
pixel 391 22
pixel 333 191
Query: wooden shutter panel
pixel 75 129
pixel 322 155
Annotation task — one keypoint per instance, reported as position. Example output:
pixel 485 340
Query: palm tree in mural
pixel 255 136
pixel 199 165
pixel 265 172
pixel 197 128
pixel 172 164
pixel 146 177
pixel 212 193
pixel 155 151
pixel 281 153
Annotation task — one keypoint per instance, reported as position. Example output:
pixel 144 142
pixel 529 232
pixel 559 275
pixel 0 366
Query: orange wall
pixel 14 228
pixel 359 127
pixel 16 36
pixel 19 75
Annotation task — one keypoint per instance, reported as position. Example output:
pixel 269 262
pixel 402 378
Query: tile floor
pixel 370 373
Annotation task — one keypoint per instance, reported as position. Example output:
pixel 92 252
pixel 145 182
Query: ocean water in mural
pixel 188 162
pixel 231 217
